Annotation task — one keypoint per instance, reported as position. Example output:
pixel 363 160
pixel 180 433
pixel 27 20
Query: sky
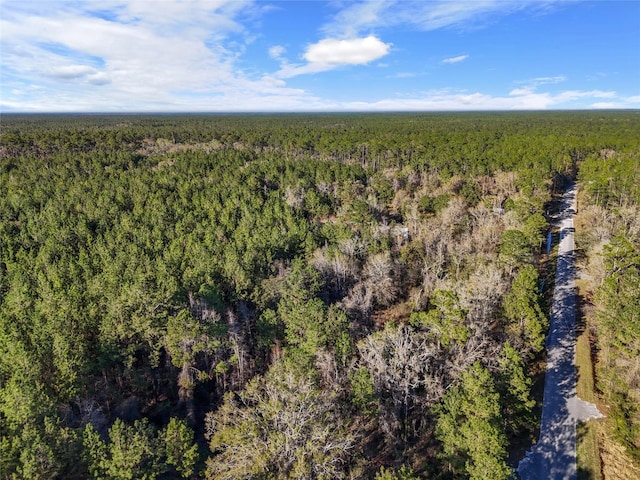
pixel 338 55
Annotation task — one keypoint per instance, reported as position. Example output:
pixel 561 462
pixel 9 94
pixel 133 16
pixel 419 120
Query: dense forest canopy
pixel 293 296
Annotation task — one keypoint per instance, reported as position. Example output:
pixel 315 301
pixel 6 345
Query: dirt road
pixel 554 456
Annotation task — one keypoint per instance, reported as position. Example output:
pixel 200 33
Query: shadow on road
pixel 554 456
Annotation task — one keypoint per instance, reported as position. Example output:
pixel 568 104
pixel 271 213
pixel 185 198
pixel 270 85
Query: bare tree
pixel 380 278
pixel 483 295
pixel 406 373
pixel 338 271
pixel 280 426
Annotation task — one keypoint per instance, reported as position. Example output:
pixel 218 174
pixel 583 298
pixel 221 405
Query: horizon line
pixel 309 112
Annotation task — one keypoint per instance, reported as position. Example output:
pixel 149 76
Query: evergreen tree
pixel 469 425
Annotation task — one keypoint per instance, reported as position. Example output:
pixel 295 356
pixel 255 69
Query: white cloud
pixel 331 53
pixel 274 82
pixel 596 76
pixel 521 91
pixel 355 51
pixel 567 95
pixel 458 101
pixel 180 56
pixel 536 82
pixel 457 59
pixel 99 78
pixel 529 95
pixel 277 51
pixel 621 102
pixel 217 16
pixel 364 15
pixel 72 71
pixel 606 105
pixel 350 21
pixel 403 75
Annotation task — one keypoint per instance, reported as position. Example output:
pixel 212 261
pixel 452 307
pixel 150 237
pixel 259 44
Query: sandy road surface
pixel 554 456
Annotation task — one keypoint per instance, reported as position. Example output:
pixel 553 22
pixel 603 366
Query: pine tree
pixel 469 425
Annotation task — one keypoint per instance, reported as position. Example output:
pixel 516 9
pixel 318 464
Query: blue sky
pixel 378 55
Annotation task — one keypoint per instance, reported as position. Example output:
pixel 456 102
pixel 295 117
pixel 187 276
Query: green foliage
pixel 187 337
pixel 139 452
pixel 621 257
pixel 429 205
pixel 470 191
pixel 509 205
pixel 527 323
pixel 446 321
pixel 618 301
pixel 532 181
pixel 526 206
pixel 336 326
pixel 404 473
pixel 181 451
pixel 514 387
pixel 359 212
pixel 624 416
pixel 318 205
pixel 383 189
pixel 302 313
pixel 469 425
pixel 308 324
pixel 302 284
pixel 44 452
pixel 363 391
pixel 123 237
pixel 534 229
pixel 611 177
pixel 515 248
pixel 132 452
pixel 425 205
pixel 269 329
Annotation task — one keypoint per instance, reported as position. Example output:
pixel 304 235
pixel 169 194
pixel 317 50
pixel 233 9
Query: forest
pixel 302 296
